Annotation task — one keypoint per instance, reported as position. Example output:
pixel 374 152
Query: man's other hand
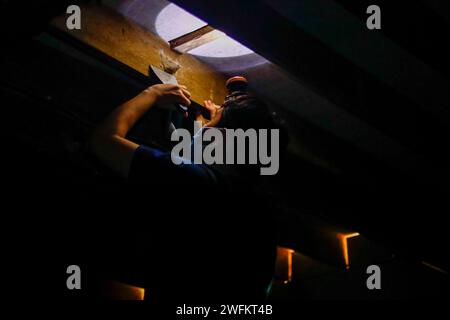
pixel 215 113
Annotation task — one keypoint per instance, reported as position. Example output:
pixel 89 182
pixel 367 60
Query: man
pixel 211 241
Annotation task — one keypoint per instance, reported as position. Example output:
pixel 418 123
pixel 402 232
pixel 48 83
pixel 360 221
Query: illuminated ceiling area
pixel 175 24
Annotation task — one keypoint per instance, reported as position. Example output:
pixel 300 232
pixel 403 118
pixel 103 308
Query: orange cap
pixel 236 79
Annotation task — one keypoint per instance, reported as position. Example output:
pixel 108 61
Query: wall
pixel 113 34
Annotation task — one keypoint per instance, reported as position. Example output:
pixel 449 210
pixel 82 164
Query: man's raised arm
pixel 109 142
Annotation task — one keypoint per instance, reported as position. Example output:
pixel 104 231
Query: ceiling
pixel 370 103
pixel 364 102
pixel 326 68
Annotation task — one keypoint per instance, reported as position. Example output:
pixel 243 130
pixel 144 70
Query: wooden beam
pixel 109 32
pixel 195 39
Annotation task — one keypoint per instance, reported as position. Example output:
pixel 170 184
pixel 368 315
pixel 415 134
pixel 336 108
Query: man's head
pixel 245 112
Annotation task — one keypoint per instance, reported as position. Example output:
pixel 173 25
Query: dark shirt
pixel 208 240
pixel 154 166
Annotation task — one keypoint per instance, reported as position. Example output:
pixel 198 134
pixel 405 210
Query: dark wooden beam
pixel 195 39
pixel 112 34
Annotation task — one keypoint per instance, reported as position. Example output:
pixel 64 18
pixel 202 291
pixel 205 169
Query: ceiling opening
pixel 174 22
pixel 188 34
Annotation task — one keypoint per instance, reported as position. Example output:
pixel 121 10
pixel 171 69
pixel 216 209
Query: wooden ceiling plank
pixel 194 39
pixel 125 41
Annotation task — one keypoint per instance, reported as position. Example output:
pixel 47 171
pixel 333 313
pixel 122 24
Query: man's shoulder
pixel 150 165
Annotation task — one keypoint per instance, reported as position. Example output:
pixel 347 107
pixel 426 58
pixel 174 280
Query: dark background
pixel 54 91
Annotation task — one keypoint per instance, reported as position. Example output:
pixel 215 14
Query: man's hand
pixel 167 94
pixel 215 114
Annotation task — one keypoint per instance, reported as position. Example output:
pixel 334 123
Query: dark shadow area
pixel 63 207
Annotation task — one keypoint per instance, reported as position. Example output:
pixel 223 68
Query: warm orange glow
pixel 115 290
pixel 344 244
pixel 290 253
pixel 128 292
pixel 139 293
pixel 285 254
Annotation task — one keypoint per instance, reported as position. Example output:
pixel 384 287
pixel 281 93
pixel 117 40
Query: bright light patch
pixel 284 262
pixel 224 47
pixel 344 245
pixel 173 22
